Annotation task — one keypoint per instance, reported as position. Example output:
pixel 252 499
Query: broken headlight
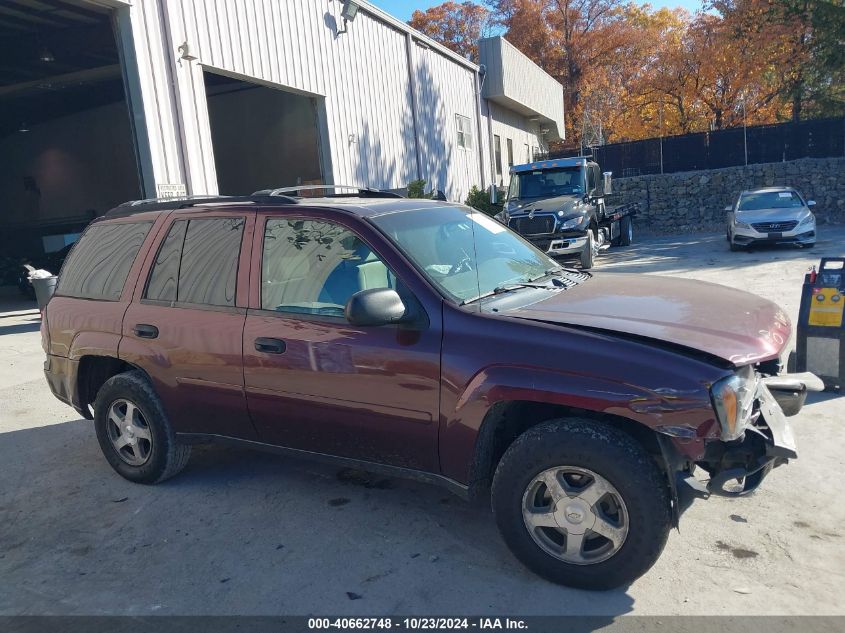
pixel 733 399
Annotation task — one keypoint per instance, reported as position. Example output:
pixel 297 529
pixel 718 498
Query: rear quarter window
pixel 99 264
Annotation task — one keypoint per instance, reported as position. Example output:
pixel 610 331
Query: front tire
pixel 588 255
pixel 581 504
pixel 134 432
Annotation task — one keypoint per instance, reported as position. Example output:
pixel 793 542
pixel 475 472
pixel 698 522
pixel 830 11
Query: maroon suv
pixel 422 339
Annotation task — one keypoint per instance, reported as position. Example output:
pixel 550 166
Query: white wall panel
pixel 510 125
pixel 516 82
pixel 360 80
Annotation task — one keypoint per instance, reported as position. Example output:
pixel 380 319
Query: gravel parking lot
pixel 250 533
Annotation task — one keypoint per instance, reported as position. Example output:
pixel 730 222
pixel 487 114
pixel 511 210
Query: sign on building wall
pixel 171 190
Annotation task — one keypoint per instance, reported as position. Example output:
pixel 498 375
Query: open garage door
pixel 66 145
pixel 263 137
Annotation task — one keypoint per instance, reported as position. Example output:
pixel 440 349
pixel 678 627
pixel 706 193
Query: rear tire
pixel 626 231
pixel 588 255
pixel 621 468
pixel 134 433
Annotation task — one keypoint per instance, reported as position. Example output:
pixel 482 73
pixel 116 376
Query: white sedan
pixel 774 215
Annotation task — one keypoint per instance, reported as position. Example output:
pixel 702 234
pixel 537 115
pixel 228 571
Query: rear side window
pixel 198 262
pixel 165 275
pixel 99 264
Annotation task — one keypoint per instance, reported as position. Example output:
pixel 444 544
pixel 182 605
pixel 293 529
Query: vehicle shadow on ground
pixel 32 325
pixel 816 397
pixel 242 532
pixel 679 254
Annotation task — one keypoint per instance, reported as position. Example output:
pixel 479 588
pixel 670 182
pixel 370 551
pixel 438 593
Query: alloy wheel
pixel 575 515
pixel 129 433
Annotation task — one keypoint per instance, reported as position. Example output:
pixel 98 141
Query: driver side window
pixel 314 267
pixel 591 180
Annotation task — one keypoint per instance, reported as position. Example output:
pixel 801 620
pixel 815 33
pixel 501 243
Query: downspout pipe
pixel 479 85
pixel 412 86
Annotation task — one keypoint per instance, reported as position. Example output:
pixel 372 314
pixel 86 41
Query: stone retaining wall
pixel 688 201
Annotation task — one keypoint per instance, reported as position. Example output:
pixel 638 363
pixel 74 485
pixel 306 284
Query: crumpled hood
pixel 570 205
pixel 734 325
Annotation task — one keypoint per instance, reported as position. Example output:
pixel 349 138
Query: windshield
pixel 770 200
pixel 465 253
pixel 546 183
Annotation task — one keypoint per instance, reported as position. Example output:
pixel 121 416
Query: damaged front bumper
pixel 768 443
pixel 738 468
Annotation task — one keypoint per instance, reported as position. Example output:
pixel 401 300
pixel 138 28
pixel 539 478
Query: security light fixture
pixel 349 10
pixel 348 13
pixel 185 52
pixel 46 56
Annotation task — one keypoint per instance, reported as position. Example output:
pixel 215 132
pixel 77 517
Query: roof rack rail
pixel 183 202
pixel 363 192
pixel 276 196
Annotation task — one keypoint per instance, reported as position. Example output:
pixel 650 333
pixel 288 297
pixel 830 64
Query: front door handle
pixel 142 330
pixel 270 345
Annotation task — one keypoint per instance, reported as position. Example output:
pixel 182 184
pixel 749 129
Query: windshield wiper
pixel 506 288
pixel 558 269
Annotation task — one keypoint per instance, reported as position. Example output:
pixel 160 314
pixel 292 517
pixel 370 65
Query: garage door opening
pixel 66 143
pixel 263 137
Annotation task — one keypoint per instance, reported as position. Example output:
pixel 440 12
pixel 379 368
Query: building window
pixel 464 131
pixel 497 149
pixel 510 152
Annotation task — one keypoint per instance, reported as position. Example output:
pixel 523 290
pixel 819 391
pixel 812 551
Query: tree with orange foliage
pixel 643 72
pixel 456 25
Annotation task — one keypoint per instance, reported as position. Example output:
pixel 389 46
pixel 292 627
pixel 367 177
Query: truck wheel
pixel 588 255
pixel 134 433
pixel 581 504
pixel 626 231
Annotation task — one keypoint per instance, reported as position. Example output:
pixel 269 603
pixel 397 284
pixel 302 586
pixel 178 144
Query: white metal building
pixel 231 96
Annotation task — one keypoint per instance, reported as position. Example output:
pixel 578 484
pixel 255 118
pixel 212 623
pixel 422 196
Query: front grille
pixel 542 243
pixel 539 225
pixel 775 227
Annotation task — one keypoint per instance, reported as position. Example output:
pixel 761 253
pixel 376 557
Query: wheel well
pixel 505 421
pixel 94 371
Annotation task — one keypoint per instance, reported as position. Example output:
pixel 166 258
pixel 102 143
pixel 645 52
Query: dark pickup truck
pixel 561 206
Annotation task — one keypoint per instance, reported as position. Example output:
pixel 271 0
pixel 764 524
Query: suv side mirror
pixel 377 306
pixel 728 209
pixel 811 203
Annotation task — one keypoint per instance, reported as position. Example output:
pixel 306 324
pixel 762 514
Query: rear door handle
pixel 270 345
pixel 142 330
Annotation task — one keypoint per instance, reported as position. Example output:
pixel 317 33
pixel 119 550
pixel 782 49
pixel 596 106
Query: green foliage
pixel 416 189
pixel 480 199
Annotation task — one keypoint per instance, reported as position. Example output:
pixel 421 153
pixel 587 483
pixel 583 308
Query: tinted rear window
pixel 165 275
pixel 209 269
pixel 99 264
